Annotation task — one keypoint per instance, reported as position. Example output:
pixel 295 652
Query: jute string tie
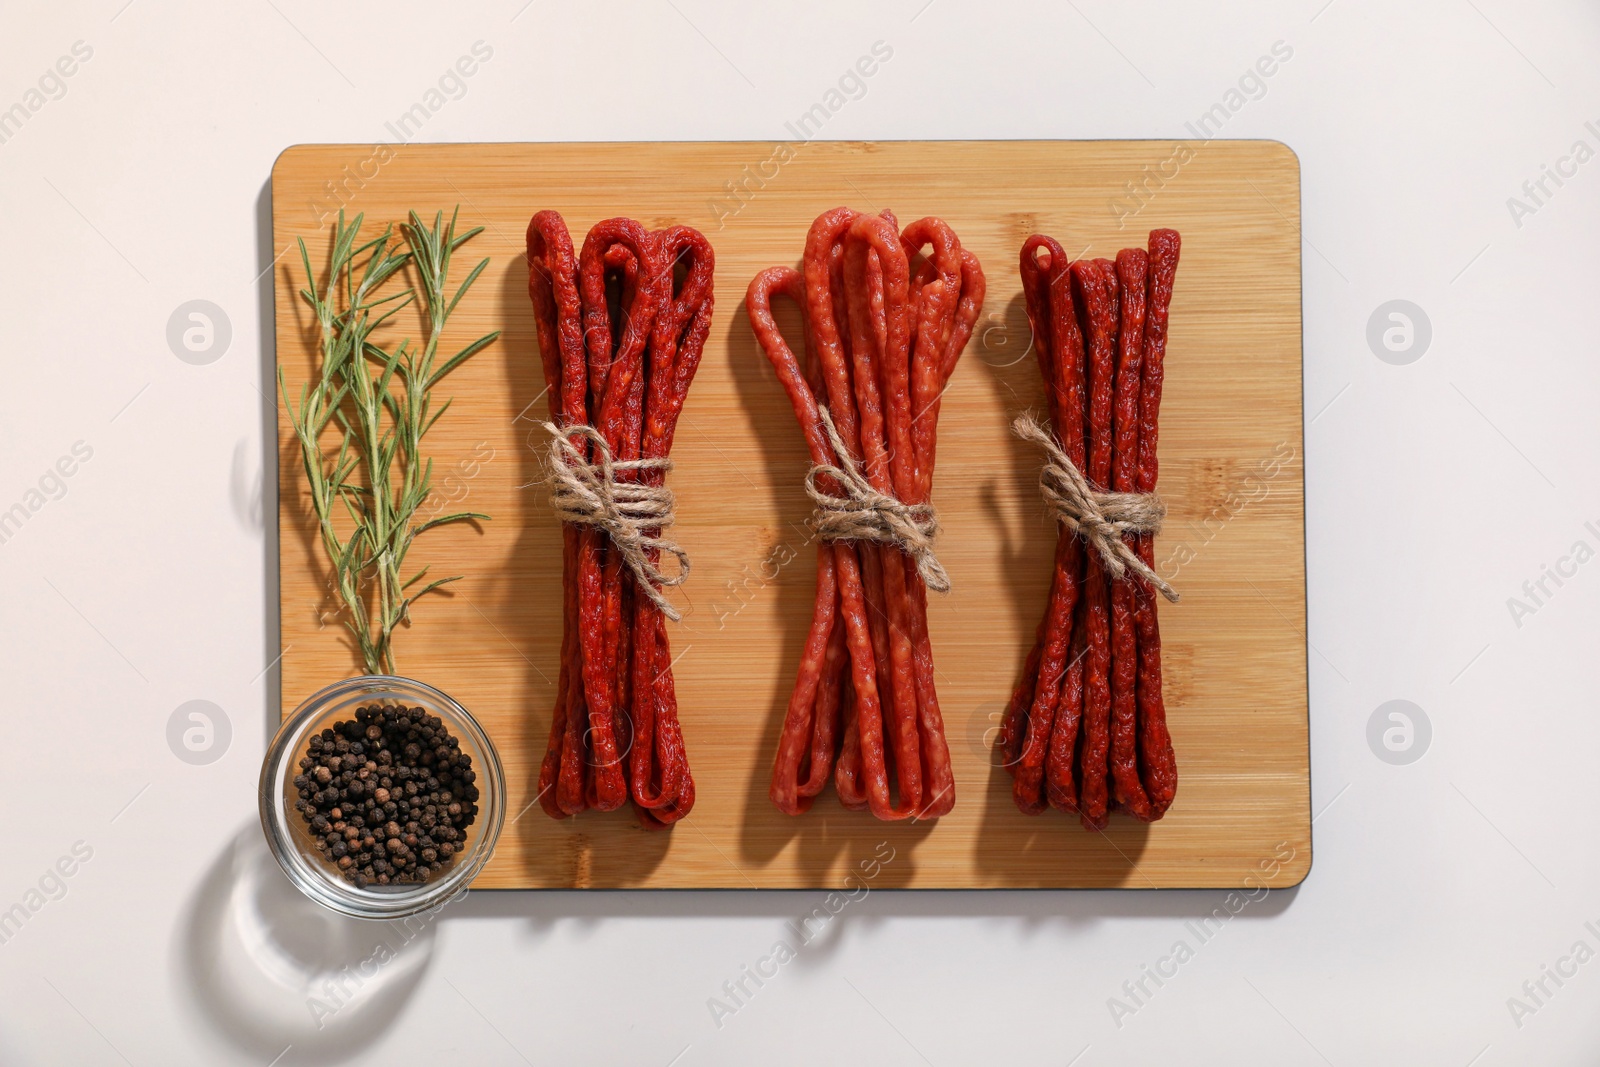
pixel 862 513
pixel 1101 519
pixel 588 494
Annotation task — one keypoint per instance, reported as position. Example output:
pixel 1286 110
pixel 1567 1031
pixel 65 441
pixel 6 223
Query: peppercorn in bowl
pixel 381 797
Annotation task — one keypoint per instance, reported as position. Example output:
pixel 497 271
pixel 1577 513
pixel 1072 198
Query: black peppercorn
pixel 388 795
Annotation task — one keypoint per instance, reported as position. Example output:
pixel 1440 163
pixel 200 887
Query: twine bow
pixel 1101 519
pixel 862 513
pixel 588 494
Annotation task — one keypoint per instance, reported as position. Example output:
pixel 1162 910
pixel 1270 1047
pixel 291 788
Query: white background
pixel 1436 488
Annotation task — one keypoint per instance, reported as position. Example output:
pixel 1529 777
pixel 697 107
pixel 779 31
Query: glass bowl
pixel 290 838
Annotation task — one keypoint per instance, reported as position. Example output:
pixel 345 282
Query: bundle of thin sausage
pixel 615 391
pixel 884 325
pixel 1085 730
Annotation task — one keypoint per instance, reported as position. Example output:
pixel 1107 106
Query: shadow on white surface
pixel 265 503
pixel 268 969
pixel 543 908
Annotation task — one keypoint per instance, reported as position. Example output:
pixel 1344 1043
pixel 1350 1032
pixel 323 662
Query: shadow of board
pixel 257 958
pixel 264 967
pixel 544 908
pixel 271 631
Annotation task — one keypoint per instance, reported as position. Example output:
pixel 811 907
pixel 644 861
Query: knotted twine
pixel 862 513
pixel 588 494
pixel 1101 519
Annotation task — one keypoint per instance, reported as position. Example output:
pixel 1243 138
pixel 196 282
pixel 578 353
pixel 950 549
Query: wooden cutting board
pixel 1231 472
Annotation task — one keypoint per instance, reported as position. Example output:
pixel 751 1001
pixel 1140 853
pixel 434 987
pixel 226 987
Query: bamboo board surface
pixel 1231 473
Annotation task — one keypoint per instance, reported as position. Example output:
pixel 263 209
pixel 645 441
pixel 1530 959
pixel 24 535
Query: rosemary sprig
pixel 382 401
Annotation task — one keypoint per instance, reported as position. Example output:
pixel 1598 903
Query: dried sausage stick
pixel 1015 724
pixel 825 718
pixel 949 306
pixel 1030 722
pixel 885 576
pixel 1061 785
pixel 659 763
pixel 1059 358
pixel 670 740
pixel 598 580
pixel 936 302
pixel 1155 742
pixel 1066 341
pixel 795 741
pixel 1127 791
pixel 552 284
pixel 825 307
pixel 1096 285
